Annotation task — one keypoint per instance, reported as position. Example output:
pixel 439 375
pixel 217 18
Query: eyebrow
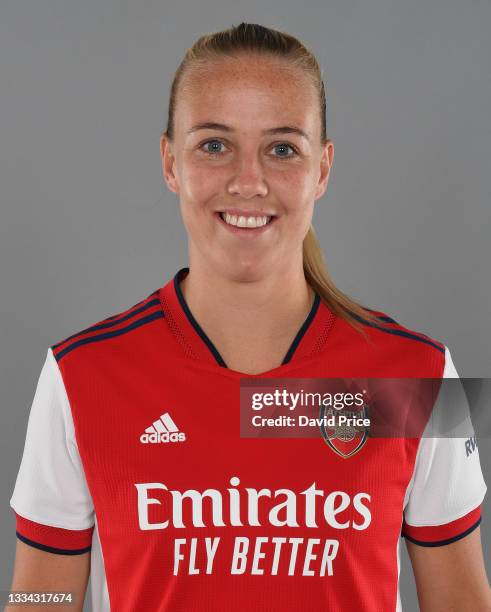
pixel 284 129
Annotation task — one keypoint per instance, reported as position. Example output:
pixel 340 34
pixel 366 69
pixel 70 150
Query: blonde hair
pixel 251 38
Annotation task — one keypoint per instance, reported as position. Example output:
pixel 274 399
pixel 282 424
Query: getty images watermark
pixel 352 409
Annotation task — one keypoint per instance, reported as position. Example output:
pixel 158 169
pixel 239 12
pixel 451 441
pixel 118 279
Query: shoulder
pixel 405 335
pixel 393 347
pixel 119 329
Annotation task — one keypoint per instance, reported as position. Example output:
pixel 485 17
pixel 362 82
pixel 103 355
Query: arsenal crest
pixel 339 431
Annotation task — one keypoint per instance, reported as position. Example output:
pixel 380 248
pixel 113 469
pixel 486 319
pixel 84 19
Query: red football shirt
pixel 133 452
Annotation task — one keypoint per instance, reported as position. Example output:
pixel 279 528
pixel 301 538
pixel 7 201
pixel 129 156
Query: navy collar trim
pixel 201 333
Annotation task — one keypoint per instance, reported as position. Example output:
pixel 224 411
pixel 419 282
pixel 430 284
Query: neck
pixel 265 310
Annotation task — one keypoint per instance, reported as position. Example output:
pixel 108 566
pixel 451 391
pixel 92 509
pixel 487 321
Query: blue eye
pixel 217 143
pixel 284 145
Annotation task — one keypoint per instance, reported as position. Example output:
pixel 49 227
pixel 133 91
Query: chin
pixel 244 271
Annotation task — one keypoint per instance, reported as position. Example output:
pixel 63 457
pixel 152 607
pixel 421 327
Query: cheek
pixel 199 184
pixel 296 192
pixel 197 196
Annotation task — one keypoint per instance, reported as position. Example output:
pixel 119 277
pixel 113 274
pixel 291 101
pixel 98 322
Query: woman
pixel 147 471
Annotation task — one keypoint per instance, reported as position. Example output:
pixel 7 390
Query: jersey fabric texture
pixel 133 454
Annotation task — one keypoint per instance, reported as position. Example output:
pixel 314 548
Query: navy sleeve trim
pixel 445 542
pixel 51 549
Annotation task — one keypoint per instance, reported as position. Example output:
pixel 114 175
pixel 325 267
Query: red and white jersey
pixel 133 452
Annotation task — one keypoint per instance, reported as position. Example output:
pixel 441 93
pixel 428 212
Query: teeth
pixel 247 222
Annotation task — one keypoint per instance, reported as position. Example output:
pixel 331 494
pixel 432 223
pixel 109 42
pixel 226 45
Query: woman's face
pixel 247 162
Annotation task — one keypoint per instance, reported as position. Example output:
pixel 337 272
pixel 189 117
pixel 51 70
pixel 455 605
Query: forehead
pixel 248 92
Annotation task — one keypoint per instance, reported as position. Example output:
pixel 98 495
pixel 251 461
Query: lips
pixel 241 212
pixel 250 222
pixel 245 231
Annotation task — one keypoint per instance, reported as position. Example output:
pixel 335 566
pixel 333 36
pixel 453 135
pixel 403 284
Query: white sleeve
pixel 443 499
pixel 51 500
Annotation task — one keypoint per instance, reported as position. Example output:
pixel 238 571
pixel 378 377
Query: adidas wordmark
pixel 162 430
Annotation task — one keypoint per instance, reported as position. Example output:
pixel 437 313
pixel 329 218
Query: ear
pixel 168 164
pixel 325 168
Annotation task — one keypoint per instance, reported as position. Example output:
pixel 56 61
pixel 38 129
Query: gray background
pixel 88 226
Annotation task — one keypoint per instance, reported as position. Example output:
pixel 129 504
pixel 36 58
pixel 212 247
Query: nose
pixel 248 178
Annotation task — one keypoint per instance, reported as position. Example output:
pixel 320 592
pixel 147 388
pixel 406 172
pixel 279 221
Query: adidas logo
pixel 162 430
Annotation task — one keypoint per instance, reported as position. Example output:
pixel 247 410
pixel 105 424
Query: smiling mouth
pixel 246 222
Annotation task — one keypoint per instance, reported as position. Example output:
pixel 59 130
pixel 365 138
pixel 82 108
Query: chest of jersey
pixel 189 510
pixel 175 485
